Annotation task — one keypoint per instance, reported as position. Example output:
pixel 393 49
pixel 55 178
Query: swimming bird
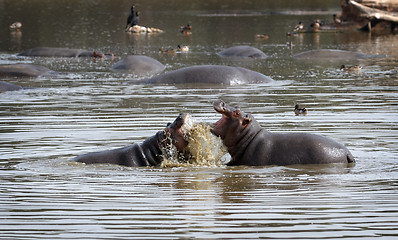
pixel 298 110
pixel 355 68
pixel 316 25
pixel 16 26
pixel 299 27
pixel 170 50
pixel 186 29
pixel 337 19
pixel 182 48
pixel 263 36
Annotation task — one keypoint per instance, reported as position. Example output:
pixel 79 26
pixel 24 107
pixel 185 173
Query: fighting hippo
pixel 249 144
pixel 332 54
pixel 138 65
pixel 5 86
pixel 208 74
pixel 151 152
pixel 242 52
pixel 62 52
pixel 23 70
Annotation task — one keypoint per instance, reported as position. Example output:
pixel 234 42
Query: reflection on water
pixel 89 108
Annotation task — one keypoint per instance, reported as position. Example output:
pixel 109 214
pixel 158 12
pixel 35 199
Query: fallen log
pixel 371 12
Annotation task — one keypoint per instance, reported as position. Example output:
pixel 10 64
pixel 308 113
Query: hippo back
pixel 55 52
pixel 242 51
pixel 5 86
pixel 209 74
pixel 320 54
pixel 138 65
pixel 23 70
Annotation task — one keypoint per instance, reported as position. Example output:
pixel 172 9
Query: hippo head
pixel 177 132
pixel 233 125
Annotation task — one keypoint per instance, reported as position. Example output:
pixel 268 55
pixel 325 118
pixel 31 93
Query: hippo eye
pixel 237 113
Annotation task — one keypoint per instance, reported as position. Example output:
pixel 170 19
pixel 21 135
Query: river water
pixel 86 108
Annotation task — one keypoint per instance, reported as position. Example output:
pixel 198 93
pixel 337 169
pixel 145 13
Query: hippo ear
pixel 246 120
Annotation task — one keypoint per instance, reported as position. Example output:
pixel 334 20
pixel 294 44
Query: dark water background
pixel 44 196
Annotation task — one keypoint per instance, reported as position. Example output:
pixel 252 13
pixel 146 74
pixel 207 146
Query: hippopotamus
pixel 5 86
pixel 139 65
pixel 250 144
pixel 332 54
pixel 207 74
pixel 62 52
pixel 23 70
pixel 242 52
pixel 151 152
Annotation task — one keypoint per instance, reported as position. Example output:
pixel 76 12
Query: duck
pixel 299 27
pixel 316 25
pixel 337 19
pixel 263 36
pixel 186 29
pixel 170 50
pixel 298 110
pixel 16 26
pixel 182 48
pixel 355 68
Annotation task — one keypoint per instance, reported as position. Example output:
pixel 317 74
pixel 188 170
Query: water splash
pixel 204 149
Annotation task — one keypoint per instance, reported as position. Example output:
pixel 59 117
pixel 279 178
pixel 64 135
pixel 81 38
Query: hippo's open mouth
pixel 220 122
pixel 222 108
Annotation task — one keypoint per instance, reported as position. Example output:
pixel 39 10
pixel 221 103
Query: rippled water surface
pixel 43 195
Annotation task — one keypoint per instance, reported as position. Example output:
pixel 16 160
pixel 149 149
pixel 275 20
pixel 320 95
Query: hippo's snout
pixel 220 106
pixel 187 122
pixel 183 122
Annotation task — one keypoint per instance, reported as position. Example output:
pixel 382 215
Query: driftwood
pixel 371 12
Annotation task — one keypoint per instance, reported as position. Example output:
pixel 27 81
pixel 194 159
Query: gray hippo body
pixel 151 152
pixel 242 52
pixel 23 70
pixel 249 144
pixel 208 74
pixel 138 65
pixel 331 54
pixel 5 86
pixel 57 52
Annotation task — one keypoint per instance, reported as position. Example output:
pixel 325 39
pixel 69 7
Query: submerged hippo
pixel 62 52
pixel 208 74
pixel 5 86
pixel 138 65
pixel 331 54
pixel 23 70
pixel 242 51
pixel 249 144
pixel 149 153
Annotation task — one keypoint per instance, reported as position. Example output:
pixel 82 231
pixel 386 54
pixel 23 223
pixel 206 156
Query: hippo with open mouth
pixel 249 144
pixel 151 152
